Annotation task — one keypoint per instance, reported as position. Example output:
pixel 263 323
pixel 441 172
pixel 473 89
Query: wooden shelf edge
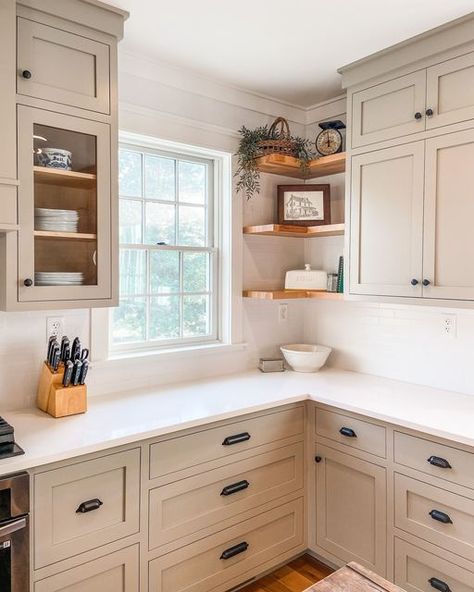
pixel 9 227
pixel 65 235
pixel 288 166
pixel 295 231
pixel 291 294
pixel 62 177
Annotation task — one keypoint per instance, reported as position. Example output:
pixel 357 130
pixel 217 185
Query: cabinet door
pixel 117 572
pixel 351 509
pixel 64 207
pixel 450 91
pixel 387 221
pixel 449 212
pixel 63 67
pixel 389 110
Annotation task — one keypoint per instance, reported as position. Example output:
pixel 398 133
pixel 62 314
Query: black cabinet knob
pixel 318 459
pixel 28 282
pixel 429 112
pixel 414 282
pixel 418 115
pixel 426 282
pixel 26 74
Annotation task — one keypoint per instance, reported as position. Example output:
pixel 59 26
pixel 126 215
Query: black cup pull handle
pixel 89 506
pixel 348 432
pixel 235 487
pixel 437 461
pixel 439 585
pixel 440 517
pixel 236 439
pixel 235 550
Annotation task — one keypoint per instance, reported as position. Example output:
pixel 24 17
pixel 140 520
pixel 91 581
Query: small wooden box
pixel 57 400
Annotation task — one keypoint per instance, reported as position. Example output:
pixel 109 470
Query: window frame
pixel 219 282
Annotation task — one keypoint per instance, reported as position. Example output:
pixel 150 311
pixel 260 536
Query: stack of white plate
pixel 59 278
pixel 56 220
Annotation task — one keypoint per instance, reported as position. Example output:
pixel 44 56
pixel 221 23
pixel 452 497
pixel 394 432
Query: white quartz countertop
pixel 114 420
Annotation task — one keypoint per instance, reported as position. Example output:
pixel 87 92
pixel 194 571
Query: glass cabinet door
pixel 64 207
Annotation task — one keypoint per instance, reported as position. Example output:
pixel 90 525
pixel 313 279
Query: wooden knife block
pixel 57 400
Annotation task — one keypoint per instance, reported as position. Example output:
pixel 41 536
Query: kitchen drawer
pixel 416 453
pixel 64 67
pixel 111 486
pixel 192 504
pixel 203 566
pixel 435 515
pixel 173 455
pixel 117 572
pixel 352 432
pixel 417 570
pixel 8 204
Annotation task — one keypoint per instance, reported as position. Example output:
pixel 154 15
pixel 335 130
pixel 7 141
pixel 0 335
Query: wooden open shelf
pixel 291 294
pixel 288 166
pixel 295 231
pixel 64 178
pixel 65 235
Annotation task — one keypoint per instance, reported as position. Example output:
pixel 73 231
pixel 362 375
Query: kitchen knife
pixel 76 372
pixel 83 374
pixel 51 340
pixel 64 348
pixel 54 350
pixel 76 349
pixel 68 368
pixel 56 358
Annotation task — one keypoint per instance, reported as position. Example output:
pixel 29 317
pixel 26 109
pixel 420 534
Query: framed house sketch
pixel 304 205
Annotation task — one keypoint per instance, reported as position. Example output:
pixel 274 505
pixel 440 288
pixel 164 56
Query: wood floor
pixel 293 577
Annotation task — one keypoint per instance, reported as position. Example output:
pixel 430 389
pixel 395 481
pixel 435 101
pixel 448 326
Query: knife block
pixel 56 399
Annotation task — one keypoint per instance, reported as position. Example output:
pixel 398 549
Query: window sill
pixel 174 353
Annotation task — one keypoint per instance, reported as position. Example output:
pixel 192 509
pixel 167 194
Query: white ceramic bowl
pixel 305 357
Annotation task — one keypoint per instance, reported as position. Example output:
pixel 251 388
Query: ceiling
pixel 286 50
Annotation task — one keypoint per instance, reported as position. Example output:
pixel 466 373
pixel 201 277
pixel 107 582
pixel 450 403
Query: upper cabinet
pixel 62 67
pixel 60 205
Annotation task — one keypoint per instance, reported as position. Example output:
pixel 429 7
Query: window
pixel 168 250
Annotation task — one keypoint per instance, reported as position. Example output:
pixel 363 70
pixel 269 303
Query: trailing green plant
pixel 249 150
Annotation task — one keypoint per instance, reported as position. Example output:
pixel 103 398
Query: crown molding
pixel 330 108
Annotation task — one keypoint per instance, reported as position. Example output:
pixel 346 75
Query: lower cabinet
pixel 351 508
pixel 117 572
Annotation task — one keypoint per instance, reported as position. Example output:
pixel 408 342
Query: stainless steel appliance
pixel 14 533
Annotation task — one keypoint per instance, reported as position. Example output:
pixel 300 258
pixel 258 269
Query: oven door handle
pixel 12 527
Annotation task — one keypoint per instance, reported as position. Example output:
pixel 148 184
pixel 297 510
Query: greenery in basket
pixel 247 171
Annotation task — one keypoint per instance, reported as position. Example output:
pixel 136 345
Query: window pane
pixel 192 226
pixel 130 222
pixel 164 270
pixel 164 317
pixel 195 316
pixel 129 321
pixel 195 272
pixel 160 224
pixel 132 272
pixel 192 182
pixel 130 173
pixel 159 177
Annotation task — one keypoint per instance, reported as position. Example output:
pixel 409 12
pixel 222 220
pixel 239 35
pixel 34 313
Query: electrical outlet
pixel 449 325
pixel 282 313
pixel 55 326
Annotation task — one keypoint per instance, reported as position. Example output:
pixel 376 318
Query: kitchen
pixel 236 326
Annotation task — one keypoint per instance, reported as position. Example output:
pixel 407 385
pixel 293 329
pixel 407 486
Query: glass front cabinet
pixel 65 207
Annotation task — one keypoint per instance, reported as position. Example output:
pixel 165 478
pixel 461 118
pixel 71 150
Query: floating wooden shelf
pixel 295 231
pixel 291 294
pixel 288 166
pixel 64 178
pixel 65 235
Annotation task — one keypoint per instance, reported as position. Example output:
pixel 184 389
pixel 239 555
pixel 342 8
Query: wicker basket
pixel 280 142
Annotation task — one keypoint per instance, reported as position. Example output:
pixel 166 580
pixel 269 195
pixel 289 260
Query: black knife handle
pixel 235 487
pixel 235 550
pixel 68 368
pixel 236 439
pixel 440 517
pixel 439 585
pixel 437 461
pixel 76 373
pixel 89 506
pixel 83 373
pixel 348 432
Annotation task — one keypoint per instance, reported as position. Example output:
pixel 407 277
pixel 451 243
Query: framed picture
pixel 304 205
